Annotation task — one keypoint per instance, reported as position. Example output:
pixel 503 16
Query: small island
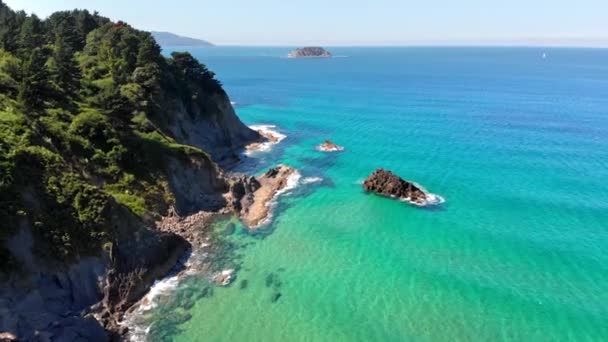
pixel 310 52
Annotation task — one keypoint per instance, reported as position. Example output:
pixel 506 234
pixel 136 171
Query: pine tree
pixel 9 28
pixel 148 51
pixel 30 35
pixel 63 24
pixel 34 88
pixel 65 70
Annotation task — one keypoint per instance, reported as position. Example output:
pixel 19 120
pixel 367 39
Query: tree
pixel 31 35
pixel 149 51
pixel 10 70
pixel 65 70
pixel 9 28
pixel 35 87
pixel 63 24
pixel 193 73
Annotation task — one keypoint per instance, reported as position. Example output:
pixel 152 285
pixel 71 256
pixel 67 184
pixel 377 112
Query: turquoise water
pixel 517 145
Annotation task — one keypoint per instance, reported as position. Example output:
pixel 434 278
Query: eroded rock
pixel 386 183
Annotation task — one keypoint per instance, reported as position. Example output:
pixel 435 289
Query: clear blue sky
pixel 358 22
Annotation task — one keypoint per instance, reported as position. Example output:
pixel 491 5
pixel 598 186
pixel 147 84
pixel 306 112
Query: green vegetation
pixel 84 103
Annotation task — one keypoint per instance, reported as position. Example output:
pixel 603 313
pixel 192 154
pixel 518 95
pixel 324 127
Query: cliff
pixel 219 131
pixel 100 137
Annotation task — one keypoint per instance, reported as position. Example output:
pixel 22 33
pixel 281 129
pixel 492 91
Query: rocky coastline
pixel 89 298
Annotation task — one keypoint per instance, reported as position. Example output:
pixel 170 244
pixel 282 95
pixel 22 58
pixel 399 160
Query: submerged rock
pixel 329 146
pixel 275 296
pixel 388 184
pixel 270 279
pixel 224 278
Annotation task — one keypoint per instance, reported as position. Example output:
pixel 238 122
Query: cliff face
pixel 61 301
pixel 218 131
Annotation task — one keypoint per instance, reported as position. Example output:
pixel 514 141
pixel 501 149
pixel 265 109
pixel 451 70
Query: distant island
pixel 310 52
pixel 171 39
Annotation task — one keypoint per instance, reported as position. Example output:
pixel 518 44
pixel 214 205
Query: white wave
pixel 233 103
pixel 430 199
pixel 335 149
pixel 309 180
pixel 292 182
pixel 160 288
pixel 265 130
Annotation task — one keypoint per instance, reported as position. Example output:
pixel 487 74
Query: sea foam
pixel 266 130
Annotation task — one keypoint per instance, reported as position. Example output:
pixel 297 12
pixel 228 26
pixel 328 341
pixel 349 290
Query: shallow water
pixel 516 144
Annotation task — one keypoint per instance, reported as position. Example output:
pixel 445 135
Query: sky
pixel 358 22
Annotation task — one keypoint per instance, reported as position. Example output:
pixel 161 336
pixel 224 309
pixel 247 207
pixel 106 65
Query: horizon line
pixel 447 45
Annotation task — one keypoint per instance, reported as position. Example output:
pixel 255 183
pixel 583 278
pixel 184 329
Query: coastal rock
pixel 310 52
pixel 251 195
pixel 242 189
pixel 329 146
pixel 388 184
pixel 268 137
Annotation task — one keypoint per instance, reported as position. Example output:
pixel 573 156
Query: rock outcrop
pixel 388 184
pixel 329 146
pixel 310 52
pixel 251 195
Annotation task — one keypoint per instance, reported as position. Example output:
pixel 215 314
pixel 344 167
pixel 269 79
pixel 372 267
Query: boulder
pixel 388 184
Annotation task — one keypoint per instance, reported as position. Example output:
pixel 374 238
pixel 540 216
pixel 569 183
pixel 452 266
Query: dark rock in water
pixel 230 229
pixel 275 296
pixel 270 279
pixel 244 283
pixel 388 184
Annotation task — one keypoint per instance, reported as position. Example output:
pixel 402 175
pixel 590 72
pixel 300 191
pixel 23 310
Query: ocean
pixel 516 143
